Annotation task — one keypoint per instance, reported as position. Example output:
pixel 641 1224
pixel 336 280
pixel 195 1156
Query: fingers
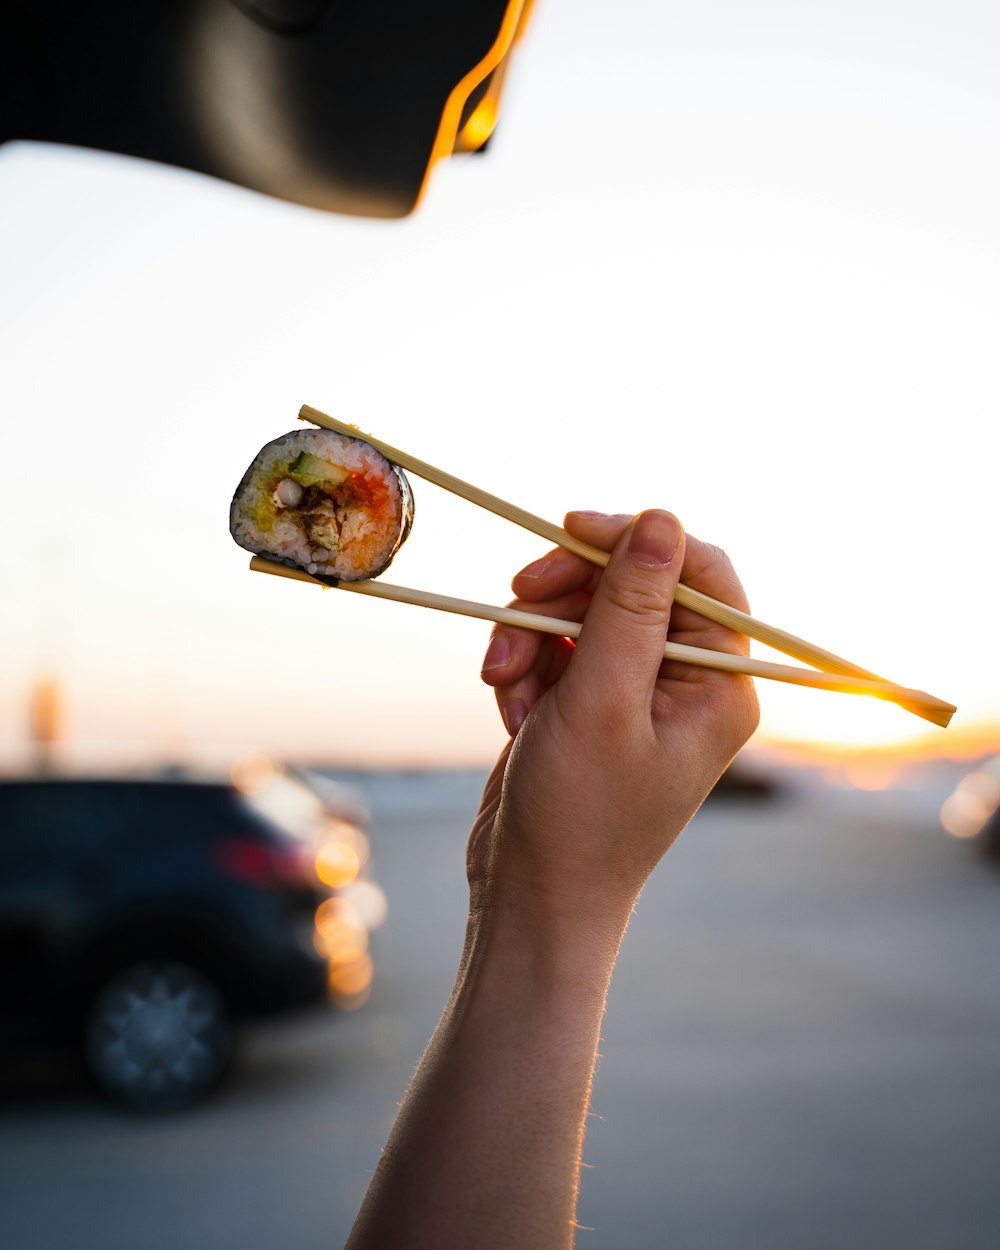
pixel 706 568
pixel 511 652
pixel 516 699
pixel 598 528
pixel 621 646
pixel 559 584
pixel 560 571
pixel 519 684
pixel 521 665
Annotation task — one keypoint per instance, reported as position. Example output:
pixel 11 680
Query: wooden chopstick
pixel 719 660
pixel 705 605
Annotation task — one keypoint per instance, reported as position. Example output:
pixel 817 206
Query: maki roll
pixel 322 502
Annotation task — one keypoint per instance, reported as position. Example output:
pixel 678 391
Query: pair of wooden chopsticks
pixel 834 672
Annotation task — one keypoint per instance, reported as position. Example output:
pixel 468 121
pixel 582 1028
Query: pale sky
pixel 737 260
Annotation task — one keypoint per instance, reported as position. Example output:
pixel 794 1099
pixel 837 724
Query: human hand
pixel 614 748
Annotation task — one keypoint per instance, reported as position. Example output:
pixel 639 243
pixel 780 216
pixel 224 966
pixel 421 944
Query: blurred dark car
pixel 142 920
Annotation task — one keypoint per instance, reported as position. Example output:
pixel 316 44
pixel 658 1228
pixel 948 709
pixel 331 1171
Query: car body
pixel 145 919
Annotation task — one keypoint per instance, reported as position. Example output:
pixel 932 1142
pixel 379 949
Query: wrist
pixel 553 946
pixel 566 904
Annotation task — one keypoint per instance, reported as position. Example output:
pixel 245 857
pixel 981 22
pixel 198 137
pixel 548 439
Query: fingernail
pixel 654 539
pixel 537 568
pixel 514 714
pixel 497 653
pixel 624 517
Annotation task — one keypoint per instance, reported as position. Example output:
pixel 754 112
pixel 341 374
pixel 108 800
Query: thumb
pixel 621 642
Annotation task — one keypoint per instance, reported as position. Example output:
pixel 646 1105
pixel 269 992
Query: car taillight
pixel 267 867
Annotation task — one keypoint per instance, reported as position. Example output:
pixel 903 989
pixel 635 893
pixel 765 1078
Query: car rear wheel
pixel 158 1036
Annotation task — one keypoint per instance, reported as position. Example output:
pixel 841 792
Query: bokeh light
pixel 337 864
pixel 976 797
pixel 252 773
pixel 340 935
pixel 350 982
pixel 369 901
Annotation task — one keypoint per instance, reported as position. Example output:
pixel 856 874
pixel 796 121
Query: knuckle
pixel 717 559
pixel 601 706
pixel 752 715
pixel 639 599
pixel 718 555
pixel 745 717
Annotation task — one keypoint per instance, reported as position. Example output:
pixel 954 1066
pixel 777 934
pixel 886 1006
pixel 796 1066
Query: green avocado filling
pixel 309 470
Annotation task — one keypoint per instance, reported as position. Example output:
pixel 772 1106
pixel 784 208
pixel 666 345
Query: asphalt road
pixel 802 1049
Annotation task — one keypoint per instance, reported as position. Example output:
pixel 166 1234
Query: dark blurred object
pixel 972 811
pixel 338 104
pixel 741 781
pixel 141 920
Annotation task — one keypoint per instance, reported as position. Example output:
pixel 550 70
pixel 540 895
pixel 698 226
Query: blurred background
pixel 736 260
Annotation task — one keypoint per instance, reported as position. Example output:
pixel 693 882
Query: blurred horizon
pixel 48 745
pixel 45 741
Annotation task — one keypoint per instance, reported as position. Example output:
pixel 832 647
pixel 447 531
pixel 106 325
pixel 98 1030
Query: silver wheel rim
pixel 158 1029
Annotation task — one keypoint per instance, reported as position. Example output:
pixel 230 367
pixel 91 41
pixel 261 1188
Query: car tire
pixel 158 1036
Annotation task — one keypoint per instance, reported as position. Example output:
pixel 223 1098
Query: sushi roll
pixel 318 501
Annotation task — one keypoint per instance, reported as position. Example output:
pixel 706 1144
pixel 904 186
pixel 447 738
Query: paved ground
pixel 802 1049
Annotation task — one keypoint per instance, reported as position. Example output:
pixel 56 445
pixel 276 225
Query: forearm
pixel 486 1149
